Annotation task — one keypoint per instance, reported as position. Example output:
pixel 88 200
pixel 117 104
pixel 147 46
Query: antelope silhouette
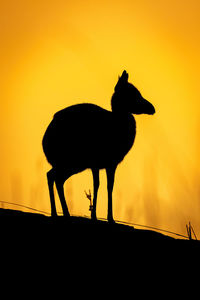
pixel 86 136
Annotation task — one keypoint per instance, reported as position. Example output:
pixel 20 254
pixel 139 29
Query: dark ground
pixel 61 231
pixel 89 258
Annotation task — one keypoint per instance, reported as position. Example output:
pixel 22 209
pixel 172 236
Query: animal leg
pixel 59 185
pixel 110 182
pixel 95 173
pixel 50 180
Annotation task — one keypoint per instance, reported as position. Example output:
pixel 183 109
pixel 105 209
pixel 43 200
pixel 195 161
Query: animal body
pixel 86 136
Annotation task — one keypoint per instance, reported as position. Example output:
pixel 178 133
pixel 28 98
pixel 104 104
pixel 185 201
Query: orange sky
pixel 57 53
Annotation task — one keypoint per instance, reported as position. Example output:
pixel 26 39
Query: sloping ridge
pixel 81 233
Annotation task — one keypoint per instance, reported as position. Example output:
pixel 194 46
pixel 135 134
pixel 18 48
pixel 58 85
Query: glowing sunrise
pixel 58 53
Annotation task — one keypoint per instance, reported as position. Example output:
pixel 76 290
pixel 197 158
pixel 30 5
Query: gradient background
pixel 57 53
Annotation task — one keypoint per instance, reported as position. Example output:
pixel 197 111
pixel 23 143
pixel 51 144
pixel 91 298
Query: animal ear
pixel 124 76
pixel 121 81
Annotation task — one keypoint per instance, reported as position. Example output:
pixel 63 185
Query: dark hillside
pixel 54 248
pixel 18 224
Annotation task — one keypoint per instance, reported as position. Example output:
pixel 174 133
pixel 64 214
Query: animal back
pixel 86 136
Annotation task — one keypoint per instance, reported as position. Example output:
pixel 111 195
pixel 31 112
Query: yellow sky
pixel 57 53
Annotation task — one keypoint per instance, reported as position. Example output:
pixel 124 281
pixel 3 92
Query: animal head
pixel 127 98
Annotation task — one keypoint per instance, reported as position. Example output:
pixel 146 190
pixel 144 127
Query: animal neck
pixel 117 105
pixel 121 114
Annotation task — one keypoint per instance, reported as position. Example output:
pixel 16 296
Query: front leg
pixel 110 182
pixel 95 173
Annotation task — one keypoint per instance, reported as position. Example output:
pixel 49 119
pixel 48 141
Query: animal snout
pixel 149 108
pixel 152 110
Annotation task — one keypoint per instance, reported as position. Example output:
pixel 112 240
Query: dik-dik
pixel 86 136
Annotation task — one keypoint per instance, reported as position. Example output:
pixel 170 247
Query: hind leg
pixel 50 180
pixel 59 180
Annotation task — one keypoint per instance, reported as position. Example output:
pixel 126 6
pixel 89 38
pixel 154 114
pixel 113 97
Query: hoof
pixel 66 215
pixel 93 216
pixel 111 221
pixel 54 214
